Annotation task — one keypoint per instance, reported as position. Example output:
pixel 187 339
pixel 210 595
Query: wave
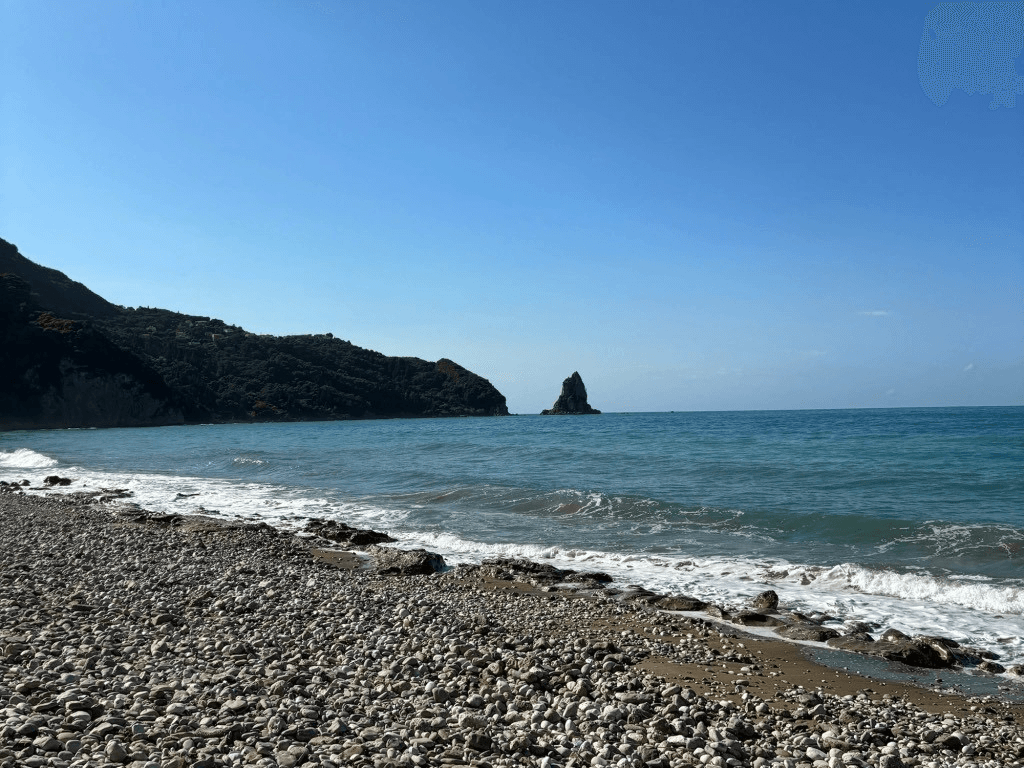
pixel 959 539
pixel 974 612
pixel 25 458
pixel 966 591
pixel 654 545
pixel 243 461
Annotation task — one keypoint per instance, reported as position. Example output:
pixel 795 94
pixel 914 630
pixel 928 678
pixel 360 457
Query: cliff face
pixel 194 369
pixel 227 374
pixel 56 372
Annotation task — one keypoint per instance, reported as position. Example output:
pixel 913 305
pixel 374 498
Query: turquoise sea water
pixel 912 518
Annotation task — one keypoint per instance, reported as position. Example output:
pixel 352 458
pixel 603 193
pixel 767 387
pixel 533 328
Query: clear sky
pixel 698 206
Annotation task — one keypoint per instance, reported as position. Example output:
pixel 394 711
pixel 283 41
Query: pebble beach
pixel 129 638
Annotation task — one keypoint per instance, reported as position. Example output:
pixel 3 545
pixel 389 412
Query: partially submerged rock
pixel 573 399
pixel 766 602
pixel 755 619
pixel 717 612
pixel 518 568
pixel 803 631
pixel 346 534
pixel 522 570
pixel 678 603
pixel 912 652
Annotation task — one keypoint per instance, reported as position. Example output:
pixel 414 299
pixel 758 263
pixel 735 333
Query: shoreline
pixel 128 638
pixel 826 568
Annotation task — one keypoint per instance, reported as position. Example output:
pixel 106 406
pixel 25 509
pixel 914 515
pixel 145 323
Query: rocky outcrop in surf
pixel 572 400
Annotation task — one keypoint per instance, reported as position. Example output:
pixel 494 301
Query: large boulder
pixel 808 632
pixel 755 619
pixel 573 399
pixel 678 603
pixel 344 534
pixel 766 602
pixel 406 562
pixel 528 571
pixel 914 652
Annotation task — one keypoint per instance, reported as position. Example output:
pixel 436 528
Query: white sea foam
pixel 972 611
pixel 248 460
pixel 24 458
pixel 976 614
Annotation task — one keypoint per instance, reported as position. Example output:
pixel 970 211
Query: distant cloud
pixel 874 312
pixel 969 366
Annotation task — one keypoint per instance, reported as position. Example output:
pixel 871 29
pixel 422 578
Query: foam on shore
pixel 971 610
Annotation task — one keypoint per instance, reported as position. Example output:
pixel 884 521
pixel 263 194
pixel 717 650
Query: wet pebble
pixel 203 645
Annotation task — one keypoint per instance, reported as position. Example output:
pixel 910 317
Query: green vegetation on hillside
pixel 210 371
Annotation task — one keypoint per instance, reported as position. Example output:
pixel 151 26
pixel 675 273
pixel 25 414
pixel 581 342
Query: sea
pixel 909 518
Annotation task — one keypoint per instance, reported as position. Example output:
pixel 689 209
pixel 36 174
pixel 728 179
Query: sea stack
pixel 573 399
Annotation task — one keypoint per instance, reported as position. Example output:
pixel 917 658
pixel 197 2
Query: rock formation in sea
pixel 573 399
pixel 92 354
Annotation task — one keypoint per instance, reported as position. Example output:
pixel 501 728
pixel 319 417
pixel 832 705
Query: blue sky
pixel 699 206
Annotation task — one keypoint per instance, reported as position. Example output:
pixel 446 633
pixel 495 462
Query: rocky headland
pixel 70 358
pixel 134 639
pixel 572 400
pixel 57 372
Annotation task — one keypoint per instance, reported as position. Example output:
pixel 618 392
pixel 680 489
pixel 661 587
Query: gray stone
pixel 678 603
pixel 479 741
pixel 402 562
pixel 766 602
pixel 807 632
pixel 752 619
pixel 116 753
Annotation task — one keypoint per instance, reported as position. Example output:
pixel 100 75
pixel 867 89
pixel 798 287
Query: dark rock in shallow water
pixel 716 611
pixel 894 636
pixel 345 534
pixel 599 577
pixel 679 603
pixel 807 632
pixel 642 594
pixel 573 399
pixel 518 568
pixel 915 653
pixel 755 619
pixel 766 602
